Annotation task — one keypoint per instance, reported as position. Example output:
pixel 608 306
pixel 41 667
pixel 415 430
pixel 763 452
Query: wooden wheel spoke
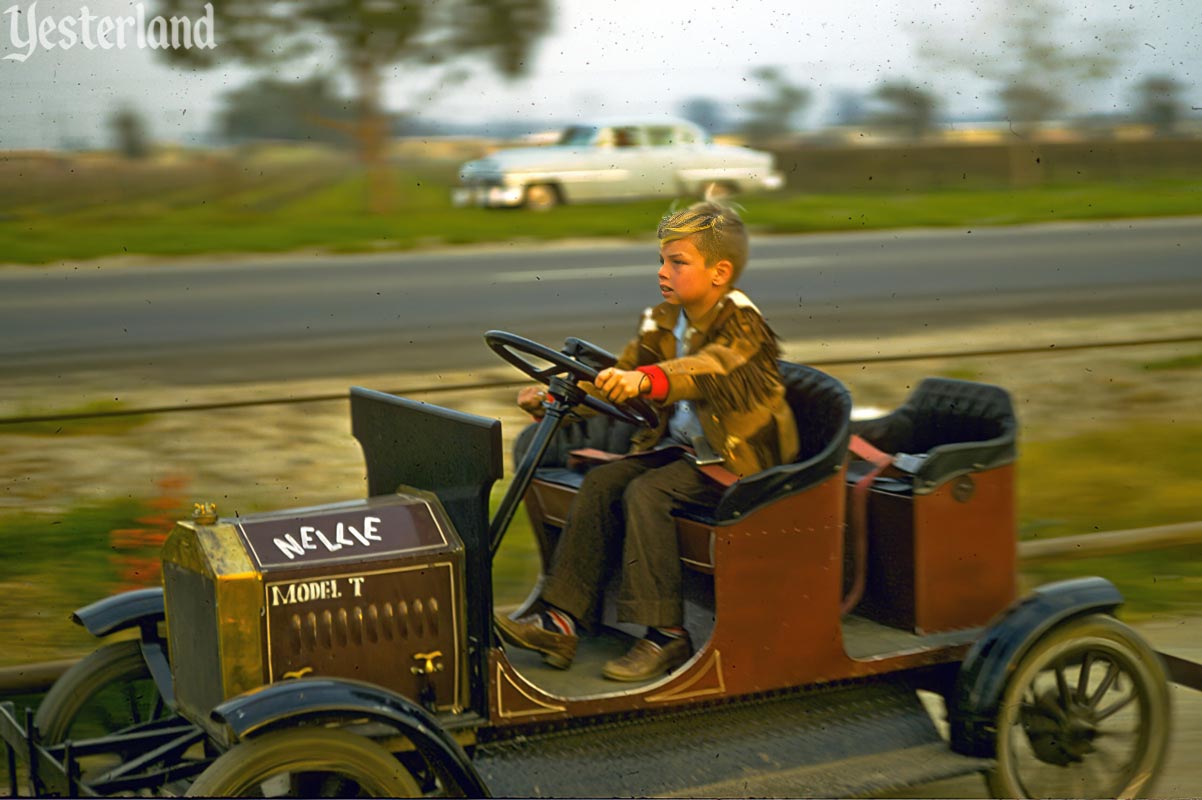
pixel 1062 689
pixel 1083 676
pixel 1115 707
pixel 1108 680
pixel 131 698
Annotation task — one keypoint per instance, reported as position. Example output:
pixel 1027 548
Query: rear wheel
pixel 1085 714
pixel 541 197
pixel 108 690
pixel 306 762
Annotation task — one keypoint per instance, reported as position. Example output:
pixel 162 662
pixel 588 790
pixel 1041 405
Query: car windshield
pixel 577 135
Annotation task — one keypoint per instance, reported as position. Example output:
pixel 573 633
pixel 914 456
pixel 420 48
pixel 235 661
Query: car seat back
pixel 821 408
pixel 956 426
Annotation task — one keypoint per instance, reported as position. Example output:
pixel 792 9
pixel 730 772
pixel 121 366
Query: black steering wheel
pixel 512 347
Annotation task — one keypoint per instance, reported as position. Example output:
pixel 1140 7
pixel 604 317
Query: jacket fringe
pixel 755 381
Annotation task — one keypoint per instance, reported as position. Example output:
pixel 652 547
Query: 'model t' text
pixel 305 591
pixel 343 535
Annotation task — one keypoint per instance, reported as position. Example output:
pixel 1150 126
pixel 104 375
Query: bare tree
pixel 774 114
pixel 908 108
pixel 129 133
pixel 1159 103
pixel 367 37
pixel 1034 55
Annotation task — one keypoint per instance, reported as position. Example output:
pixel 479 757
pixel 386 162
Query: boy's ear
pixel 723 271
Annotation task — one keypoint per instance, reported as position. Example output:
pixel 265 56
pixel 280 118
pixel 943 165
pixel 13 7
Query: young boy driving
pixel 709 360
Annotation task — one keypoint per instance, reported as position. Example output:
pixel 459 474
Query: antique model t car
pixel 349 649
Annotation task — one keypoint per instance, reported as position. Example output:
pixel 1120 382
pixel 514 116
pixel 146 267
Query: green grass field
pixel 275 203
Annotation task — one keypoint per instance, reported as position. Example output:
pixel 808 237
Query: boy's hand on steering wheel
pixel 620 385
pixel 530 400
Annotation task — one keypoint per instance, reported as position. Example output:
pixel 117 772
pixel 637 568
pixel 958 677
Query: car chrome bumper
pixel 486 196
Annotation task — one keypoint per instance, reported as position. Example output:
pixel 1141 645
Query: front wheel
pixel 541 197
pixel 306 762
pixel 1085 714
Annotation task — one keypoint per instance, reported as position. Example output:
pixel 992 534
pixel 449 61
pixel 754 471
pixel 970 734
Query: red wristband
pixel 659 381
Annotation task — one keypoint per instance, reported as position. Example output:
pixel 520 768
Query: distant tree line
pixel 1032 71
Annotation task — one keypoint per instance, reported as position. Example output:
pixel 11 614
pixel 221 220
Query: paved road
pixel 323 317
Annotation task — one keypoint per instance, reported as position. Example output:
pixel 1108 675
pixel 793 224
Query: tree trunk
pixel 371 136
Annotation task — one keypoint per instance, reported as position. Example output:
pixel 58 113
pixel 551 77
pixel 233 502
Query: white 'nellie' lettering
pixel 310 538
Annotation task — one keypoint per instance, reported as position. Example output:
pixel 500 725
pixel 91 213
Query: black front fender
pixel 988 665
pixel 137 608
pixel 318 700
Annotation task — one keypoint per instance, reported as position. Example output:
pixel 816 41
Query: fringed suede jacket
pixel 730 373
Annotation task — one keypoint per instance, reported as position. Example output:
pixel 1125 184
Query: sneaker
pixel 558 649
pixel 648 660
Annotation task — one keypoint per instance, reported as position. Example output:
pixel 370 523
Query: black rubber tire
pixel 1143 694
pixel 116 667
pixel 541 197
pixel 318 756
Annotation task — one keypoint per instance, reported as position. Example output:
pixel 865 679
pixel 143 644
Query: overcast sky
pixel 618 56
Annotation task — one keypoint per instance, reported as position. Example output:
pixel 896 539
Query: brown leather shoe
pixel 558 649
pixel 648 660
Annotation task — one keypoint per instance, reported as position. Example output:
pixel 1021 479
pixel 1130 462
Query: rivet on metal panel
pixel 963 489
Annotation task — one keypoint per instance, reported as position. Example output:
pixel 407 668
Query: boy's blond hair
pixel 715 230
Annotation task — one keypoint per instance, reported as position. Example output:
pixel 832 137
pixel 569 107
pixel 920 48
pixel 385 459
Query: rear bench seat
pixel 940 528
pixel 948 428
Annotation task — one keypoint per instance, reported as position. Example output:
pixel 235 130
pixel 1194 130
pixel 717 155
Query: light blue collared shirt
pixel 683 425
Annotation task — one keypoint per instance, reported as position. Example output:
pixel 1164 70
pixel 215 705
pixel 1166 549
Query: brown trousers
pixel 622 520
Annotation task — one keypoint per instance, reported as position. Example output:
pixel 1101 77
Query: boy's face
pixel 685 280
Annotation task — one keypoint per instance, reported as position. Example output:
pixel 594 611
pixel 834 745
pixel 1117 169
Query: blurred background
pixel 284 122
pixel 203 247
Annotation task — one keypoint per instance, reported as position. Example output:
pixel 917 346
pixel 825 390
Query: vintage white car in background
pixel 615 160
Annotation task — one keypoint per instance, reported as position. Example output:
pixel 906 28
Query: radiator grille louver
pixel 359 626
